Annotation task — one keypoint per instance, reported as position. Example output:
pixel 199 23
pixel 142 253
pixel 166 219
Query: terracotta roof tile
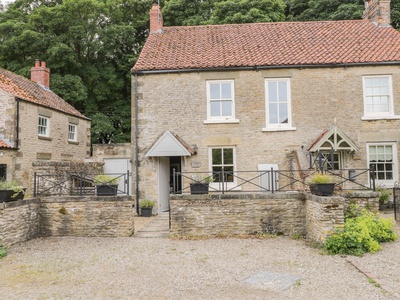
pixel 28 90
pixel 269 44
pixel 3 144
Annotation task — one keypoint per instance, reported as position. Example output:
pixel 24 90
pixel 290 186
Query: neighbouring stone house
pixel 247 97
pixel 37 125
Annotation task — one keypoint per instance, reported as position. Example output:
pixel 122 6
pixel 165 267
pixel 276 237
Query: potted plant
pixel 146 207
pixel 11 191
pixel 322 184
pixel 384 196
pixel 106 185
pixel 201 184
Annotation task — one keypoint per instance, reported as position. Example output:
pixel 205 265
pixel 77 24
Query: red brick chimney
pixel 156 20
pixel 378 11
pixel 41 74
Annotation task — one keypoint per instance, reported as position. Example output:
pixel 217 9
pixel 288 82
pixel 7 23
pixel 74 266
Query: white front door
pixel 116 167
pixel 163 184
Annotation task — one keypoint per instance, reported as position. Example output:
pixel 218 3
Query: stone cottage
pixel 250 97
pixel 37 125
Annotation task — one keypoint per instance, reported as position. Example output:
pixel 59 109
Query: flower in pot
pixel 11 191
pixel 322 184
pixel 106 185
pixel 201 184
pixel 384 196
pixel 146 207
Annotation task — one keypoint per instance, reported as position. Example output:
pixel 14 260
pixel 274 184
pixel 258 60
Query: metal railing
pixel 269 180
pixel 78 184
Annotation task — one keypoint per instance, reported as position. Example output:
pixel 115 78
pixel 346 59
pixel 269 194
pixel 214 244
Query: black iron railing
pixel 79 184
pixel 269 180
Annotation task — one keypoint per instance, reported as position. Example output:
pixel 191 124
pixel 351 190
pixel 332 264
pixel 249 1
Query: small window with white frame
pixel 278 104
pixel 222 165
pixel 44 126
pixel 382 157
pixel 378 97
pixel 220 101
pixel 72 133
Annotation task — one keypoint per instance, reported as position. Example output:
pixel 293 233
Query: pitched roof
pixel 269 44
pixel 28 90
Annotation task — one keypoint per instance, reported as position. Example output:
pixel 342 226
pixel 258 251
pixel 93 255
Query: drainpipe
pixel 137 143
pixel 17 134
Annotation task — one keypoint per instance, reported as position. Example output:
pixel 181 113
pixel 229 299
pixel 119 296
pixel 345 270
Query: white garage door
pixel 118 166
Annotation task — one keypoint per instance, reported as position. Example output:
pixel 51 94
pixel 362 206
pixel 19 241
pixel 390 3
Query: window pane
pixel 272 92
pixel 226 108
pixel 283 113
pixel 215 108
pixel 217 156
pixel 282 91
pixel 214 91
pixel 226 91
pixel 273 113
pixel 228 156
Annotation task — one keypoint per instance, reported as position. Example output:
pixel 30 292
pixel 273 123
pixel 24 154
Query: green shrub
pixel 2 252
pixel 146 203
pixel 361 234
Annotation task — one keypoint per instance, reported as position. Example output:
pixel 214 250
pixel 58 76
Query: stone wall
pixel 280 213
pixel 239 214
pixel 87 216
pixel 23 220
pixel 19 221
pixel 323 213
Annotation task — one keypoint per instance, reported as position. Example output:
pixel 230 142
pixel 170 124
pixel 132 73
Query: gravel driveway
pixel 161 268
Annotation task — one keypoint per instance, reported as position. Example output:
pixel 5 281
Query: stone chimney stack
pixel 40 73
pixel 156 20
pixel 378 11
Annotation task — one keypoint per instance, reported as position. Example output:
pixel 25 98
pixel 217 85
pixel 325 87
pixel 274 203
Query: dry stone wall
pixel 19 221
pixel 239 214
pixel 23 220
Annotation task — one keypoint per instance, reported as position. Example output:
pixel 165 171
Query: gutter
pixel 136 143
pixel 258 68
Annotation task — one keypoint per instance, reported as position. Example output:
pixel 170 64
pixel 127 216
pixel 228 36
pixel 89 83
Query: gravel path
pixel 161 268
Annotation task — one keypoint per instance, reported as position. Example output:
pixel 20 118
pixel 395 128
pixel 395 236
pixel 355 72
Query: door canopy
pixel 335 139
pixel 169 144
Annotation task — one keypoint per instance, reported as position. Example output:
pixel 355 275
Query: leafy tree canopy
pixel 90 47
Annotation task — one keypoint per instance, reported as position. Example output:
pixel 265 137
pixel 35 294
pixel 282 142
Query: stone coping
pixel 18 203
pixel 240 196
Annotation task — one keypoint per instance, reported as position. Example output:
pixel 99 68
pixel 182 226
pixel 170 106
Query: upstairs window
pixel 44 126
pixel 72 133
pixel 278 104
pixel 220 100
pixel 378 96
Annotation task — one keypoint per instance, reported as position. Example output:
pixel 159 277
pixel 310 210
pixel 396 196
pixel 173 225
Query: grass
pixel 3 252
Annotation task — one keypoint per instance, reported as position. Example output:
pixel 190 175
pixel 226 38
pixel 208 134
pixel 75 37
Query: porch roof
pixel 335 139
pixel 169 144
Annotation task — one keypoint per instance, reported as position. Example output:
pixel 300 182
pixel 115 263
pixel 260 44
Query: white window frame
pixel 386 183
pixel 72 134
pixel 220 119
pixel 218 185
pixel 46 126
pixel 379 115
pixel 278 126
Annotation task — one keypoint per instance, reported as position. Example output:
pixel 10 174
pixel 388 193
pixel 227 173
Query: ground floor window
pixel 383 159
pixel 223 164
pixel 328 160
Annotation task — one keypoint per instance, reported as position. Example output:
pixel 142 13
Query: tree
pixel 313 10
pixel 202 12
pixel 90 46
